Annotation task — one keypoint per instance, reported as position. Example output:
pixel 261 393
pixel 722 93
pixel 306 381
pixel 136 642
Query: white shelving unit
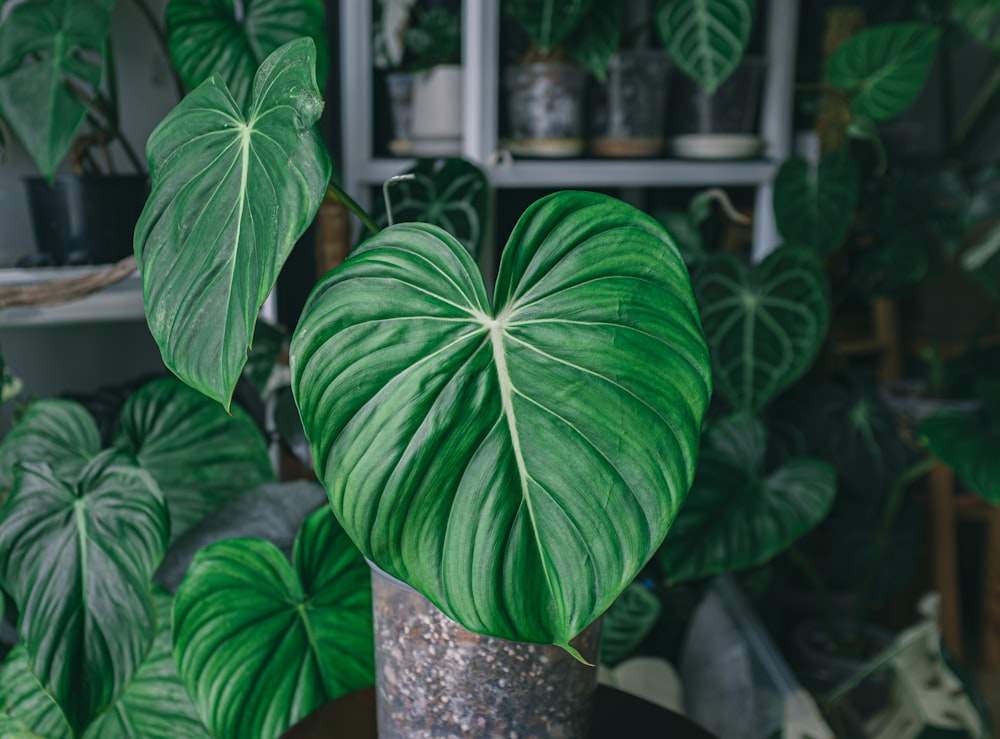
pixel 481 88
pixel 119 302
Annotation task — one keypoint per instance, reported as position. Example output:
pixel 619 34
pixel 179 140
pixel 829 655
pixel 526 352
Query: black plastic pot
pixel 85 219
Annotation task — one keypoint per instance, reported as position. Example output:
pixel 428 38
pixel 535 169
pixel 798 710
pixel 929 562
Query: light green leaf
pixel 517 464
pixel 885 67
pixel 765 324
pixel 232 192
pixel 706 38
pixel 199 456
pixel 736 518
pixel 816 208
pixel 52 59
pixel 548 23
pixel 232 38
pixel 300 637
pixel 58 432
pixel 77 558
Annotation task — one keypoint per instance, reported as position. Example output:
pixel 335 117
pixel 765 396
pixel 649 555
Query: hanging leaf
pixel 629 620
pixel 816 208
pixel 52 59
pixel 232 38
pixel 451 193
pixel 231 195
pixel 517 464
pixel 199 456
pixel 58 432
pixel 736 517
pixel 885 67
pixel 765 324
pixel 300 637
pixel 706 38
pixel 548 23
pixel 77 558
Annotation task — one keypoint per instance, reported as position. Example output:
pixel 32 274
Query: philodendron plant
pixel 516 460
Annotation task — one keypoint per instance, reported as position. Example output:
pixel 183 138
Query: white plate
pixel 716 146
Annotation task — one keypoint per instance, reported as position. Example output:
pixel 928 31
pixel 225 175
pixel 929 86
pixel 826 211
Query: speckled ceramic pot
pixel 436 679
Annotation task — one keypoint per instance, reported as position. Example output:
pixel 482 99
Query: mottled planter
pixel 545 109
pixel 436 679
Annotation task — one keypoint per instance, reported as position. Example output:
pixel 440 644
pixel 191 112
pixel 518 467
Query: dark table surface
pixel 618 715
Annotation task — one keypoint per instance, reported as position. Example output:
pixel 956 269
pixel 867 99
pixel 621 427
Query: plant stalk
pixel 334 191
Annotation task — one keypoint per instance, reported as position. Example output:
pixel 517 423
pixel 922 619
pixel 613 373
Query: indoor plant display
pixel 400 355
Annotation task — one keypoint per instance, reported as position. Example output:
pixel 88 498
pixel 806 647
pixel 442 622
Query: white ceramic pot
pixel 436 125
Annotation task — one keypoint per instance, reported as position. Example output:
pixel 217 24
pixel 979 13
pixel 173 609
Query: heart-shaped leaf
pixel 77 558
pixel 765 324
pixel 816 208
pixel 735 517
pixel 231 194
pixel 60 433
pixel 154 705
pixel 548 23
pixel 52 59
pixel 706 38
pixel 516 464
pixel 296 638
pixel 451 193
pixel 200 456
pixel 231 38
pixel 885 67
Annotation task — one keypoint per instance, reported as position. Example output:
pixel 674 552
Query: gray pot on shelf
pixel 627 113
pixel 545 109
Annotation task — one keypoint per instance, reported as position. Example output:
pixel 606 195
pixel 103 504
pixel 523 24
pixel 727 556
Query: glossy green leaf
pixel 231 194
pixel 58 432
pixel 451 193
pixel 629 620
pixel 52 59
pixel 816 208
pixel 706 39
pixel 735 516
pixel 301 635
pixel 516 464
pixel 548 23
pixel 23 698
pixel 199 456
pixel 967 441
pixel 885 67
pixel 232 37
pixel 77 558
pixel 765 323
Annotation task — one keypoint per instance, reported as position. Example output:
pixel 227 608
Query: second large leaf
pixel 516 463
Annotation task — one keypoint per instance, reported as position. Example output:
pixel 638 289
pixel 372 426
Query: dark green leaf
pixel 231 195
pixel 706 38
pixel 232 38
pixel 77 558
pixel 967 441
pixel 734 518
pixel 765 324
pixel 629 620
pixel 597 37
pixel 885 67
pixel 52 59
pixel 816 208
pixel 548 23
pixel 24 698
pixel 300 637
pixel 200 456
pixel 58 432
pixel 516 464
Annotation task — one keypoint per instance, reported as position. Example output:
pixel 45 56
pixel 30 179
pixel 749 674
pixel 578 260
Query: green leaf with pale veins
pixel 516 463
pixel 232 191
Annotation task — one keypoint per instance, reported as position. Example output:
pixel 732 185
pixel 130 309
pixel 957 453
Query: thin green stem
pixel 334 191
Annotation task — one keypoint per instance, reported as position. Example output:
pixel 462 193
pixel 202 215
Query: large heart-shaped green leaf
pixel 816 208
pixel 765 324
pixel 52 59
pixel 77 558
pixel 885 67
pixel 735 516
pixel 516 464
pixel 232 37
pixel 260 644
pixel 200 456
pixel 154 705
pixel 547 23
pixel 60 433
pixel 231 194
pixel 451 193
pixel 706 39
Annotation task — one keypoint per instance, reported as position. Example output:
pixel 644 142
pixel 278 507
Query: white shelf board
pixel 119 302
pixel 606 173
